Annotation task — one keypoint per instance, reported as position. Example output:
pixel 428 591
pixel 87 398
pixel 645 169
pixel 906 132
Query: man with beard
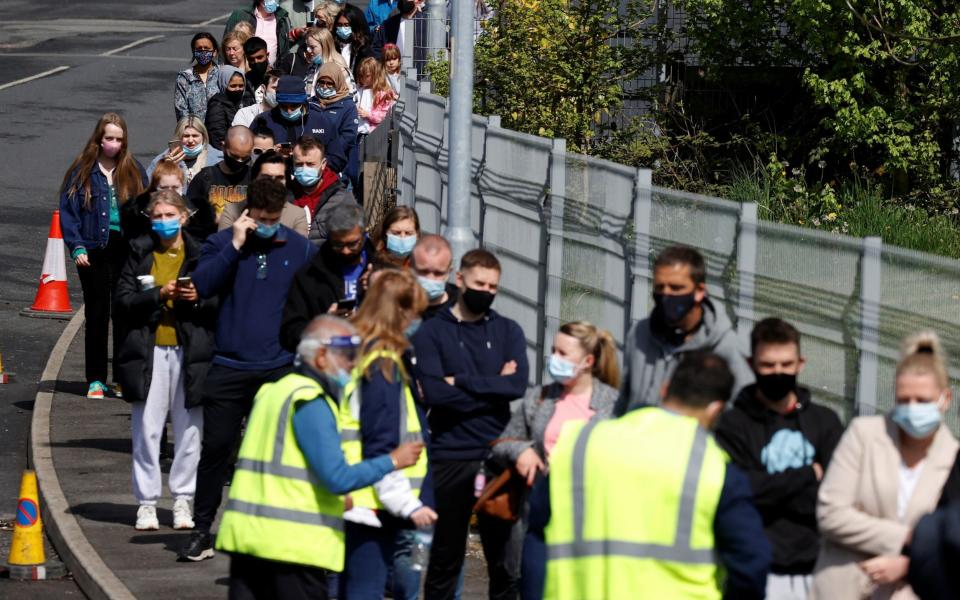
pixel 221 184
pixel 331 282
pixel 683 320
pixel 249 268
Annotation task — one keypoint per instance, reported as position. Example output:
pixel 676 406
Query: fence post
pixel 638 257
pixel 406 57
pixel 551 271
pixel 869 368
pixel 746 271
pixel 436 29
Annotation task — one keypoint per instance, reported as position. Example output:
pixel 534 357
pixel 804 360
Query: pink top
pixel 267 31
pixel 572 407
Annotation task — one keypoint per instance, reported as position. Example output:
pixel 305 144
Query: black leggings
pixel 98 282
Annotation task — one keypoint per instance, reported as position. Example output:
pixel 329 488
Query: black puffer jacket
pixel 143 309
pixel 220 112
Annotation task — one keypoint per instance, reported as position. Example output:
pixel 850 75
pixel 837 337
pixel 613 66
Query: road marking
pixel 112 56
pixel 132 45
pixel 213 20
pixel 32 77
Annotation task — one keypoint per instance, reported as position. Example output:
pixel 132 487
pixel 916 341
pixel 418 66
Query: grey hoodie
pixel 649 360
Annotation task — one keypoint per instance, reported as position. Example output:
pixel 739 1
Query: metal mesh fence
pixel 577 237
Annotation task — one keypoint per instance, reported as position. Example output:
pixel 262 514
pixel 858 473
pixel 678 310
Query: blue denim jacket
pixel 89 227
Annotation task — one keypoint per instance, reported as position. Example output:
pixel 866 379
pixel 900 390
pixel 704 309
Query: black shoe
pixel 200 547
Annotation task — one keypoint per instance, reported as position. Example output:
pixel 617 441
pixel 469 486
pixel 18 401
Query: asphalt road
pixel 43 124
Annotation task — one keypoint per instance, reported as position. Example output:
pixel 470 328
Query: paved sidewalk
pixel 91 447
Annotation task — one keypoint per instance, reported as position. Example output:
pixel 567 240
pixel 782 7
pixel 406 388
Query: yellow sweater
pixel 166 268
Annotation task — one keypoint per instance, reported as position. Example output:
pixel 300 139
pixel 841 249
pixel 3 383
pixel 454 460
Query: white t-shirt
pixel 366 103
pixel 267 31
pixel 906 486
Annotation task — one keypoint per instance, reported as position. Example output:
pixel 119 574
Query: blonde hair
pixel 192 122
pixel 378 78
pixel 243 28
pixel 327 45
pixel 922 354
pixel 233 36
pixel 599 344
pixel 169 198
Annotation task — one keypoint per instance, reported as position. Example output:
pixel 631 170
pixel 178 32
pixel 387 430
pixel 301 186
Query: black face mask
pixel 478 301
pixel 234 95
pixel 776 386
pixel 234 165
pixel 256 73
pixel 672 309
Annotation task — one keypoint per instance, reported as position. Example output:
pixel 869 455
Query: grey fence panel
pixel 427 141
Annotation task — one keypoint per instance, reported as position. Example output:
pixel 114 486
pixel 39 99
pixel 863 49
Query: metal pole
pixel 436 29
pixel 869 368
pixel 458 231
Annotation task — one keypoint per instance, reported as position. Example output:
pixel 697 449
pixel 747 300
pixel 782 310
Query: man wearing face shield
pixel 684 319
pixel 283 523
pixel 783 442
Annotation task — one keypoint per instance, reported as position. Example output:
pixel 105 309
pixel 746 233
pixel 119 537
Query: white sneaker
pixel 147 518
pixel 182 514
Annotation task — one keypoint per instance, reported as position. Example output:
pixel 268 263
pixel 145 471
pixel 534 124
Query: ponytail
pixel 922 354
pixel 598 343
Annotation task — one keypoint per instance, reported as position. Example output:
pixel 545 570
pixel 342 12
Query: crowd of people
pixel 364 401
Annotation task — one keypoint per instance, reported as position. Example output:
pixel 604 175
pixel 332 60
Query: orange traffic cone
pixel 52 299
pixel 27 557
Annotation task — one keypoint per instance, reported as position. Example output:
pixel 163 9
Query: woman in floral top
pixel 200 82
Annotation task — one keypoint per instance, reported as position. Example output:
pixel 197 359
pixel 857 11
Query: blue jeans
pixel 405 580
pixel 369 552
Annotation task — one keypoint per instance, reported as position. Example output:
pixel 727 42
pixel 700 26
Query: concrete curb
pixel 93 576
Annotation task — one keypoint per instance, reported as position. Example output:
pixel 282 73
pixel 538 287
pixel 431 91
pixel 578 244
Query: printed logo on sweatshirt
pixel 787 449
pixel 220 195
pixel 320 131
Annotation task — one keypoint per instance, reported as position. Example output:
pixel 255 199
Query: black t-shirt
pixel 209 192
pixel 453 292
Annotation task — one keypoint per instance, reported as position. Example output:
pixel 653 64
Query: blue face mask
pixel 192 152
pixel 401 246
pixel 167 229
pixel 412 328
pixel 267 231
pixel 341 378
pixel 561 369
pixel 326 92
pixel 434 289
pixel 270 6
pixel 918 419
pixel 306 176
pixel 318 60
pixel 344 32
pixel 292 115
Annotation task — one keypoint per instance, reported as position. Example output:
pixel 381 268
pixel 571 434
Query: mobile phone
pixel 345 306
pixel 286 147
pixel 184 281
pixel 173 145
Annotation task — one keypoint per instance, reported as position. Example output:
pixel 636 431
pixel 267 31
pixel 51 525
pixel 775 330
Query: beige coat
pixel 857 506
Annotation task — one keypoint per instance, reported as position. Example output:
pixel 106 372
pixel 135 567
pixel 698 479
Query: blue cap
pixel 290 90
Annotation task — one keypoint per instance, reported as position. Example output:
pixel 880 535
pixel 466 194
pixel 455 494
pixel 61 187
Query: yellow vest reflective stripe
pixel 631 513
pixel 277 509
pixel 350 438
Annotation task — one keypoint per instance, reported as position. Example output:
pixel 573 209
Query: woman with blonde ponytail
pixel 887 472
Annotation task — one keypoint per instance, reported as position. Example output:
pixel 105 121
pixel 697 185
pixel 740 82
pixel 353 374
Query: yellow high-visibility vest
pixel 632 507
pixel 351 440
pixel 277 510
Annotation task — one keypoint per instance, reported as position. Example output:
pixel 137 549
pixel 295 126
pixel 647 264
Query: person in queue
pixel 295 117
pixel 471 363
pixel 99 182
pixel 331 282
pixel 352 36
pixel 223 106
pixel 200 82
pixel 221 184
pixel 783 442
pixel 647 505
pixel 231 50
pixel 391 59
pixel 886 472
pixel 432 262
pixel 137 222
pixel 249 268
pixel 317 189
pixel 390 32
pixel 192 154
pixel 684 319
pixel 284 529
pixel 586 380
pixel 381 415
pixel 340 112
pixel 258 63
pixel 378 11
pixel 269 22
pixel 376 96
pixel 263 141
pixel 164 357
pixel 269 165
pixel 246 115
pixel 398 235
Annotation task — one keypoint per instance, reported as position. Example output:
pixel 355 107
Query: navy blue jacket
pixel 342 115
pixel 741 546
pixel 315 122
pixel 89 227
pixel 467 416
pixel 248 325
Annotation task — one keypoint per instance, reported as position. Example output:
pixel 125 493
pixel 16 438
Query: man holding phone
pixel 331 282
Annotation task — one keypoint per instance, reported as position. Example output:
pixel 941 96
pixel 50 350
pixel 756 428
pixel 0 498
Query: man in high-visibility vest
pixel 648 506
pixel 283 523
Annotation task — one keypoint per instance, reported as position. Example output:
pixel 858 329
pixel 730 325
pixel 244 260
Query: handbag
pixel 503 496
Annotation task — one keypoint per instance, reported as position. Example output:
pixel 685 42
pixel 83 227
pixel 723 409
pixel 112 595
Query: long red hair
pixel 126 178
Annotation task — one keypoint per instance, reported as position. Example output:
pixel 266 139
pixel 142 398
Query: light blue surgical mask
pixel 167 229
pixel 561 369
pixel 306 176
pixel 434 289
pixel 326 92
pixel 918 419
pixel 192 152
pixel 341 378
pixel 344 32
pixel 270 6
pixel 412 328
pixel 267 231
pixel 401 246
pixel 317 60
pixel 270 98
pixel 292 115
